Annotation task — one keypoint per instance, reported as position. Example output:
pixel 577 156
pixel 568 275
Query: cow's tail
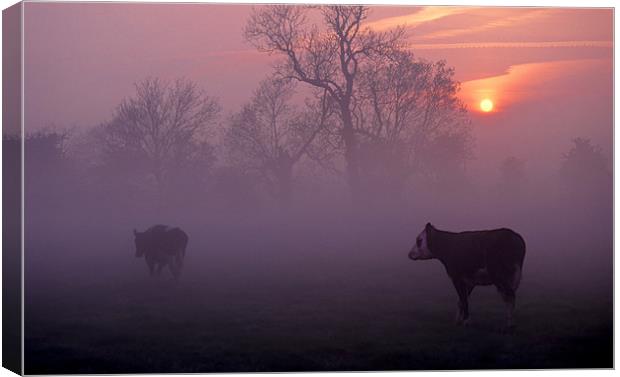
pixel 516 277
pixel 181 256
pixel 519 266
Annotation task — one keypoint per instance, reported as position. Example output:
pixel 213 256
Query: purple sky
pixel 548 70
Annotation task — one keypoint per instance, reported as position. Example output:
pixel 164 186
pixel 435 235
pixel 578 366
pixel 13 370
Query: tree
pixel 269 136
pixel 161 130
pixel 329 57
pixel 584 167
pixel 49 174
pixel 444 158
pixel 411 119
pixel 45 151
pixel 512 175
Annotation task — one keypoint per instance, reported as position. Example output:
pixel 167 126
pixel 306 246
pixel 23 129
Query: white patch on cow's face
pixel 420 250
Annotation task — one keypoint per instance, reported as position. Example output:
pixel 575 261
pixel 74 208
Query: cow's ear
pixel 428 226
pixel 135 232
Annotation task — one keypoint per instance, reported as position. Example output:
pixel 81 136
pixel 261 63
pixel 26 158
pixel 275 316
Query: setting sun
pixel 486 105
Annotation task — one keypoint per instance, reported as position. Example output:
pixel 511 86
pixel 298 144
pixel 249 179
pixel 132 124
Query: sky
pixel 547 71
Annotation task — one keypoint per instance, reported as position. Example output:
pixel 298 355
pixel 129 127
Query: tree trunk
pixel 285 189
pixel 158 173
pixel 284 176
pixel 350 153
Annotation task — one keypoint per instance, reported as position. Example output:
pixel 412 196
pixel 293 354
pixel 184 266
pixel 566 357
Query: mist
pixel 301 204
pixel 318 264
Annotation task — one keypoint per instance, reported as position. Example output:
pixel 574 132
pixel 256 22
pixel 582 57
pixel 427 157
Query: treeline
pixel 347 111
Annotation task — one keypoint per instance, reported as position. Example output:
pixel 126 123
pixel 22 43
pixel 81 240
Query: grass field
pixel 309 312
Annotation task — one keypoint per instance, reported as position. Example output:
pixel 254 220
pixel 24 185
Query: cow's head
pixel 140 241
pixel 421 250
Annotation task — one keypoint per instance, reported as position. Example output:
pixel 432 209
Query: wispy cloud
pixel 424 15
pixel 447 46
pixel 502 22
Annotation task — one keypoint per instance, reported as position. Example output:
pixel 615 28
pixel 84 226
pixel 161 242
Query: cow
pixel 487 257
pixel 161 245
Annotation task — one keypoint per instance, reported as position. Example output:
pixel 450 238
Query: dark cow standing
pixel 161 246
pixel 488 257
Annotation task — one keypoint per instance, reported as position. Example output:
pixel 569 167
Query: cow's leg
pixel 463 290
pixel 175 268
pixel 179 265
pixel 151 266
pixel 179 259
pixel 180 256
pixel 509 297
pixel 468 289
pixel 172 262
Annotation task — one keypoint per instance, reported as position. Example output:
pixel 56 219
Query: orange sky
pixel 538 65
pixel 517 49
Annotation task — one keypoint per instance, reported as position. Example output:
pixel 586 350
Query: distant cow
pixel 161 245
pixel 488 257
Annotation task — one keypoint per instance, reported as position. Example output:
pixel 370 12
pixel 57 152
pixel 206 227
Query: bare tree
pixel 269 136
pixel 329 56
pixel 408 110
pixel 45 148
pixel 47 165
pixel 394 97
pixel 512 176
pixel 585 168
pixel 161 129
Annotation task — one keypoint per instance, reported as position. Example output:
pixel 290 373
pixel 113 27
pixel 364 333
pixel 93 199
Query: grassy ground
pixel 322 314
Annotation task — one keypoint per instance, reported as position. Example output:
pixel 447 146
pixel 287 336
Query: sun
pixel 486 105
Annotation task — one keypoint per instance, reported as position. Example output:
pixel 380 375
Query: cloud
pixel 548 44
pixel 502 22
pixel 496 18
pixel 412 20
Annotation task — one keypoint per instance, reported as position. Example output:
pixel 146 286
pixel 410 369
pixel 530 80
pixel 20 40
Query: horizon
pixel 544 75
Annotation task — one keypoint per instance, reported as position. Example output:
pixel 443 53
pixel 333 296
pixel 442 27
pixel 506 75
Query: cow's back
pixel 497 251
pixel 176 239
pixel 167 241
pixel 506 246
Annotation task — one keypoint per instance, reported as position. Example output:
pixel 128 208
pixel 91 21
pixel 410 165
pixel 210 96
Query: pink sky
pixel 548 70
